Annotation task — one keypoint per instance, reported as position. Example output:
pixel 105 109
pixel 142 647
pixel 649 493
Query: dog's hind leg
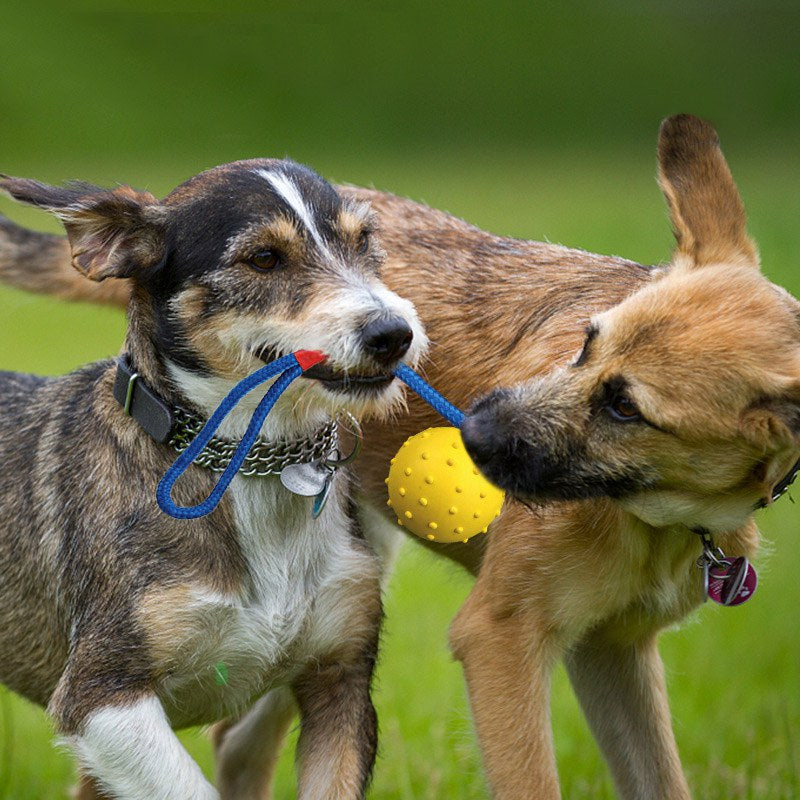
pixel 621 689
pixel 247 749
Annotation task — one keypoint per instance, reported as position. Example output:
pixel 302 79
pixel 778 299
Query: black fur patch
pixel 591 335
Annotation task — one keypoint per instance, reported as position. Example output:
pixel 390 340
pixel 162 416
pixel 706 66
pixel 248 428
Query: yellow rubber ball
pixel 437 491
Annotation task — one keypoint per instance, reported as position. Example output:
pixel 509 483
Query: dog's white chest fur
pixel 292 607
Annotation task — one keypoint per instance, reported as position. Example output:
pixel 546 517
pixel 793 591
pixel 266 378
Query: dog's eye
pixel 623 410
pixel 265 260
pixel 363 242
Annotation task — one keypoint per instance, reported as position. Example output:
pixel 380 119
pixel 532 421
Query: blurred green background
pixel 529 119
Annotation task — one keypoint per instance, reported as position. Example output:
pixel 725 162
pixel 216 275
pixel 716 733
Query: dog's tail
pixel 41 262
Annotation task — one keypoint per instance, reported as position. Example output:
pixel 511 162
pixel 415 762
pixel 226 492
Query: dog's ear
pixel 117 233
pixel 707 212
pixel 774 424
pixel 773 427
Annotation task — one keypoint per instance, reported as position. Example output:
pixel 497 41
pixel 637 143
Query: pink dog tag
pixel 731 582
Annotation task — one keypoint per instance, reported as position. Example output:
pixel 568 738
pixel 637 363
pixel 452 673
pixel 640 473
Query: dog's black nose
pixel 387 339
pixel 477 433
pixel 495 446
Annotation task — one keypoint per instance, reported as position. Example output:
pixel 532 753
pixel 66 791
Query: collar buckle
pixel 141 403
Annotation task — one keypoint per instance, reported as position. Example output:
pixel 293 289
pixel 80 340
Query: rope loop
pixel 289 368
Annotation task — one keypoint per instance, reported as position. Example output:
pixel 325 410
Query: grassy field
pixel 529 119
pixel 733 673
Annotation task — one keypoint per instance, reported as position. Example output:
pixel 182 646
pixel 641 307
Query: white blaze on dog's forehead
pixel 288 190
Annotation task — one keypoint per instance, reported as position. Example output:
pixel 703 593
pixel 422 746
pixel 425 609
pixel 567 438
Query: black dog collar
pixel 782 486
pixel 141 403
pixel 177 427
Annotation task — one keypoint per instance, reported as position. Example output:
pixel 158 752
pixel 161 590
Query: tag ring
pixel 358 433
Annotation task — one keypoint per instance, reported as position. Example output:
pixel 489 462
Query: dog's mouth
pixel 336 379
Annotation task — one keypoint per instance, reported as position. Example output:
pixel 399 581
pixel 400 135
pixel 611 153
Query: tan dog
pixel 649 404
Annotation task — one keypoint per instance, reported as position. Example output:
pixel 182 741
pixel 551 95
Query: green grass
pixel 733 673
pixel 534 120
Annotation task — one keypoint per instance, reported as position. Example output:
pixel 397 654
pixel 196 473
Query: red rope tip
pixel 307 358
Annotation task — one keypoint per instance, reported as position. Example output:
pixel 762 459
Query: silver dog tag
pixel 307 480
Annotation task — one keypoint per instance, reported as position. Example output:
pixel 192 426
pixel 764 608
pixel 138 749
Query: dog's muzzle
pixel 505 458
pixel 537 456
pixel 384 341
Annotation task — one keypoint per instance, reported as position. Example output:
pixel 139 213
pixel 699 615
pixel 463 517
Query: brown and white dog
pixel 126 623
pixel 634 405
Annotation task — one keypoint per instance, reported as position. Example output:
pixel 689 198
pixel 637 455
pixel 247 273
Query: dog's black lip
pixel 335 380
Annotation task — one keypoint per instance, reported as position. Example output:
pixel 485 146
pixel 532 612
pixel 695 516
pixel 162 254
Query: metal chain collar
pixel 265 457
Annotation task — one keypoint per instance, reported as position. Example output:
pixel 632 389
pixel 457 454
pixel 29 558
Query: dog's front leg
pixel 338 731
pixel 130 751
pixel 621 690
pixel 507 664
pixel 247 749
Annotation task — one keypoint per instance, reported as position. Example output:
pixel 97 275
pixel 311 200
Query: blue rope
pixel 452 414
pixel 290 368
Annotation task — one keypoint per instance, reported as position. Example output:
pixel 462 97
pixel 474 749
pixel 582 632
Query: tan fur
pixel 331 777
pixel 707 212
pixel 284 229
pixel 280 232
pixel 87 790
pixel 356 222
pixel 212 339
pixel 353 219
pixel 710 351
pixel 165 615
